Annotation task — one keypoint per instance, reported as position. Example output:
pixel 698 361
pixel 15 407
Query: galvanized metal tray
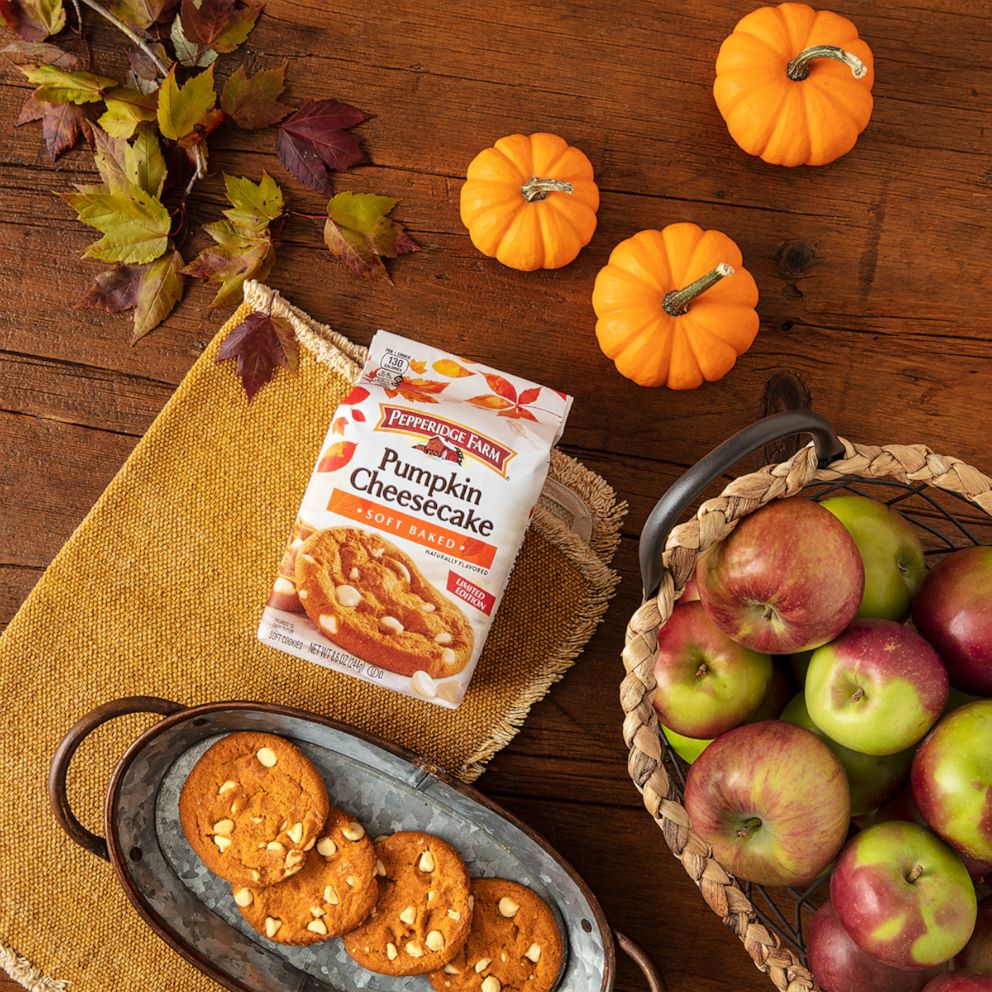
pixel 387 788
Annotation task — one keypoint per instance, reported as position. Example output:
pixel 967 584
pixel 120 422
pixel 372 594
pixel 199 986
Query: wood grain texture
pixel 872 276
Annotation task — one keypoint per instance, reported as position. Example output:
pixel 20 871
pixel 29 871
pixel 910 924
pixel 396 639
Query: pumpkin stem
pixel 677 301
pixel 798 68
pixel 538 189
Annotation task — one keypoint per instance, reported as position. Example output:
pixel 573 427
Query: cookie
pixel 423 914
pixel 364 594
pixel 252 807
pixel 514 945
pixel 333 892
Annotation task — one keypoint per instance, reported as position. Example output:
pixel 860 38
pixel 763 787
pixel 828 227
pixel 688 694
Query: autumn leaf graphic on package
pixel 412 519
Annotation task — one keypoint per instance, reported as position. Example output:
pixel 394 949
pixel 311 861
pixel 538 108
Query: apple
pixel 772 802
pixel 839 965
pixel 891 552
pixel 877 689
pixel 953 611
pixel 705 683
pixel 873 778
pixel 952 779
pixel 787 579
pixel 687 748
pixel 959 981
pixel 903 895
pixel 977 955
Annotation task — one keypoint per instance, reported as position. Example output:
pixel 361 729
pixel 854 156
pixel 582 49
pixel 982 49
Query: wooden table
pixel 872 275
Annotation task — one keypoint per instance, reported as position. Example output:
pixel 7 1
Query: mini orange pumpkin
pixel 674 307
pixel 530 201
pixel 794 84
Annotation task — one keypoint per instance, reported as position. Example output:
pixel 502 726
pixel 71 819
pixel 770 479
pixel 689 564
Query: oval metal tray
pixel 387 788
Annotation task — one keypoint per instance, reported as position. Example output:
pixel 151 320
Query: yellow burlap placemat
pixel 159 592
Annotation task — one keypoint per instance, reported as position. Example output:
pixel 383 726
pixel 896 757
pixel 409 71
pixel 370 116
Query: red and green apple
pixel 977 955
pixel 959 981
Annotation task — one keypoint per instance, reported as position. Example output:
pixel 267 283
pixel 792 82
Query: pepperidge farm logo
pixel 443 436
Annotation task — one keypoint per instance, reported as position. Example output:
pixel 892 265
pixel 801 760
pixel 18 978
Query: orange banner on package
pixel 391 521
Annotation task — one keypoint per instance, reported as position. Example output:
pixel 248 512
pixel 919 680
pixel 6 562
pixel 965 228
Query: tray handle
pixel 640 957
pixel 69 745
pixel 673 504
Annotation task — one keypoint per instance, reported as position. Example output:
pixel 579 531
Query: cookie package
pixel 412 519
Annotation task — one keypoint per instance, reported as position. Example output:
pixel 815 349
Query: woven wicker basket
pixel 770 925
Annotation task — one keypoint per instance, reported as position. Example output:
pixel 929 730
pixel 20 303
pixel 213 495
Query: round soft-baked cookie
pixel 251 808
pixel 514 945
pixel 423 914
pixel 333 892
pixel 366 595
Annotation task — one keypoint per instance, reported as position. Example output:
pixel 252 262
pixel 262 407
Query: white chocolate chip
pixel 295 833
pixel 235 808
pixel 533 953
pixel 330 896
pixel 414 949
pixel 426 862
pixel 274 845
pixel 450 969
pixel 448 657
pixel 401 568
pixel 316 912
pixel 309 844
pixel 317 926
pixel 223 843
pixel 326 847
pixel 256 819
pixel 224 827
pixel 347 595
pixel 454 914
pixel 391 625
pixel 302 594
pixel 428 607
pixel 408 916
pixel 243 897
pixel 482 964
pixel 352 881
pixel 309 559
pixel 283 586
pixel 502 956
pixel 266 757
pixel 443 638
pixel 391 952
pixel 422 684
pixel 354 831
pixel 430 896
pixel 377 552
pixel 328 624
pixel 294 858
pixel 272 926
pixel 508 908
pixel 491 984
pixel 434 940
pixel 282 826
pixel 380 868
pixel 353 574
pixel 256 875
pixel 226 787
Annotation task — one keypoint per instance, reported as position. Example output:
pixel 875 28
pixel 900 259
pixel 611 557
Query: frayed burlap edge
pixel 23 972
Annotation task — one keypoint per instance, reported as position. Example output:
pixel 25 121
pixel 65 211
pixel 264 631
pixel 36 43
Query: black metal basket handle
pixel 668 511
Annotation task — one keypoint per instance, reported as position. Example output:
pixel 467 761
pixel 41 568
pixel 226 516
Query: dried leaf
pixel 260 343
pixel 126 109
pixel 31 110
pixel 357 395
pixel 451 368
pixel 316 139
pixel 359 233
pixel 114 290
pixel 491 402
pixel 339 425
pixel 135 225
pixel 39 53
pixel 186 113
pixel 218 24
pixel 142 14
pixel 62 125
pixel 33 20
pixel 143 72
pixel 418 390
pixel 500 386
pixel 57 85
pixel 144 165
pixel 253 101
pixel 108 157
pixel 253 205
pixel 418 365
pixel 189 53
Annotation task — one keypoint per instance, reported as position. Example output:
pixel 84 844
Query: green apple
pixel 873 778
pixel 687 748
pixel 890 549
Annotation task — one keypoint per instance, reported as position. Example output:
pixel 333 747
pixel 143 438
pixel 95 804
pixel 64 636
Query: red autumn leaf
pixel 358 416
pixel 417 390
pixel 517 413
pixel 337 456
pixel 528 396
pixel 316 141
pixel 260 343
pixel 218 24
pixel 500 386
pixel 62 125
pixel 355 396
pixel 339 425
pixel 491 402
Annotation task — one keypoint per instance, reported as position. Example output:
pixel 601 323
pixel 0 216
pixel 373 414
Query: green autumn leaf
pixel 358 231
pixel 134 224
pixel 57 85
pixel 126 109
pixel 253 101
pixel 254 205
pixel 186 113
pixel 144 165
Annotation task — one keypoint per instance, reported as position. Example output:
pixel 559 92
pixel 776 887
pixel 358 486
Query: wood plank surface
pixel 872 275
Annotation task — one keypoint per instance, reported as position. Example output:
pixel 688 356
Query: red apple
pixel 771 800
pixel 903 895
pixel 877 689
pixel 977 955
pixel 706 683
pixel 952 779
pixel 959 981
pixel 953 611
pixel 787 579
pixel 839 965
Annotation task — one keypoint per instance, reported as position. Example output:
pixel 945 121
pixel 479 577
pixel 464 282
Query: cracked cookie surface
pixel 364 594
pixel 252 807
pixel 334 891
pixel 514 945
pixel 423 914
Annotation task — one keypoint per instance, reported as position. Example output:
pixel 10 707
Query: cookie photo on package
pixel 412 520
